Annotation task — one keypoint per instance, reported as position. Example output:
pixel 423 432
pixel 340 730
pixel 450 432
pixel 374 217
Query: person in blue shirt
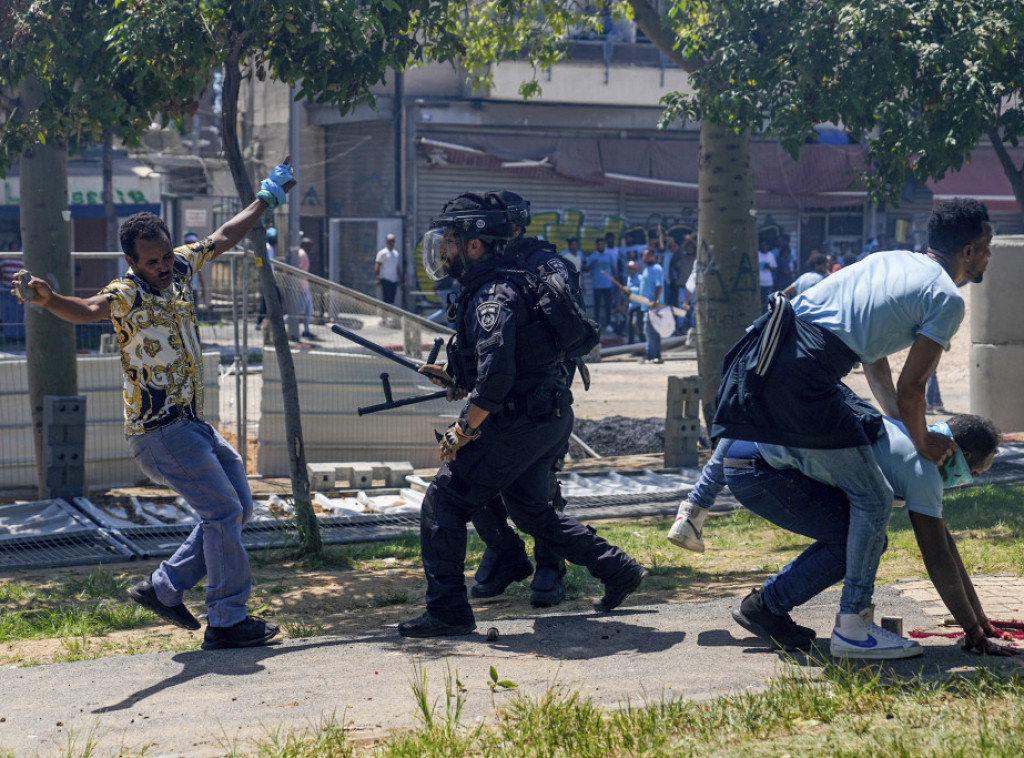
pixel 781 381
pixel 795 502
pixel 652 280
pixel 818 265
pixel 634 311
pixel 601 265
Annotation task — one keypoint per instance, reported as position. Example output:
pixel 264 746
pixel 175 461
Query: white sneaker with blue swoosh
pixel 854 637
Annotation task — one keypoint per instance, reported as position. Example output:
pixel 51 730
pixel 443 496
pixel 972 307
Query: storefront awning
pixel 825 175
pixel 983 178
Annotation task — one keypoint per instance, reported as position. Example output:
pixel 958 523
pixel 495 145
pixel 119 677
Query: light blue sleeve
pixel 712 477
pixel 944 316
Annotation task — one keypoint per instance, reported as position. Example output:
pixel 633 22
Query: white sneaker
pixel 687 530
pixel 853 637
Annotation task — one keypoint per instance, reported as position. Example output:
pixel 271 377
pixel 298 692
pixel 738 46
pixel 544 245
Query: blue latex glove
pixel 271 193
pixel 282 174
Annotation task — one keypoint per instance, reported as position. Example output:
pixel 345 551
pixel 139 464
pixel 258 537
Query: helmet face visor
pixel 433 249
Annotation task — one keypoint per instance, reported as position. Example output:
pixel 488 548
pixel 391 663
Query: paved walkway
pixel 199 703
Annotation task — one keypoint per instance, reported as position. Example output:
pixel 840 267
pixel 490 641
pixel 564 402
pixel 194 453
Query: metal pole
pixel 234 364
pixel 243 432
pixel 294 203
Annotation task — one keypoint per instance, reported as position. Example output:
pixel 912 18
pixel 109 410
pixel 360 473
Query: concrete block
pixel 58 434
pixel 397 472
pixel 63 411
pixel 358 475
pixel 321 476
pixel 995 384
pixel 65 476
pixel 64 455
pixel 997 308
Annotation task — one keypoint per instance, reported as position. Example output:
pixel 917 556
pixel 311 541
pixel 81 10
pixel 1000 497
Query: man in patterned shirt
pixel 153 313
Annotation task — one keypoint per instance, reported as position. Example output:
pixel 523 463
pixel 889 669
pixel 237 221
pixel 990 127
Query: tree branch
pixel 1015 175
pixel 648 18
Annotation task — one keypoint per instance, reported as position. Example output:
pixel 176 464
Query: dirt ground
pixel 343 601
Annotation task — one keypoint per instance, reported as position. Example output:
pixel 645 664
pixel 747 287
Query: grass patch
pixel 742 550
pixel 835 710
pixel 301 628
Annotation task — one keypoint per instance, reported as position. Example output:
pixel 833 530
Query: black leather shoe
pixel 505 573
pixel 547 588
pixel 144 594
pixel 619 588
pixel 780 631
pixel 428 626
pixel 251 632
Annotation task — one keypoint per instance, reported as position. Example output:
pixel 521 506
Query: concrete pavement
pixel 200 703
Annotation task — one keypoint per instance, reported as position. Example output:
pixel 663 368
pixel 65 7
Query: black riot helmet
pixel 518 208
pixel 469 216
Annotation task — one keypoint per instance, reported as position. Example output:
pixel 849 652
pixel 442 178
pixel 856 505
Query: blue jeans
pixel 932 395
pixel 854 471
pixel 192 459
pixel 798 504
pixel 306 308
pixel 653 339
pixel 603 305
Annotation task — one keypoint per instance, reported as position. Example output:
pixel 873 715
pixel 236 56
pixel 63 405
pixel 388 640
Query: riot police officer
pixel 514 427
pixel 505 560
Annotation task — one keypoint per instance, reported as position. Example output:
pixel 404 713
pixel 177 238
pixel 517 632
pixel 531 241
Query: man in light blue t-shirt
pixel 819 269
pixel 601 266
pixel 795 502
pixel 781 383
pixel 652 281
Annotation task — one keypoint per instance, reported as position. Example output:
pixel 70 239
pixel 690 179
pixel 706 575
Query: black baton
pixel 385 353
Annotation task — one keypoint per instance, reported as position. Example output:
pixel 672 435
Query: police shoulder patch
pixel 487 314
pixel 557 265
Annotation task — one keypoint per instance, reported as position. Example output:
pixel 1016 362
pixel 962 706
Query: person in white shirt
pixel 388 270
pixel 573 253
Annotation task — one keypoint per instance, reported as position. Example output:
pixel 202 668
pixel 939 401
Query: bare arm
pixel 879 376
pixel 77 310
pixel 946 570
pixel 921 363
pixel 234 230
pixel 790 293
pixel 943 566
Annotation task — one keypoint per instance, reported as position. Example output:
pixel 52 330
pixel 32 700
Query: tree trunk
pixel 305 519
pixel 1014 174
pixel 46 241
pixel 728 297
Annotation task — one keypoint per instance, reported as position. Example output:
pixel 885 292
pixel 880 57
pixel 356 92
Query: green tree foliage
pixel 921 82
pixel 62 45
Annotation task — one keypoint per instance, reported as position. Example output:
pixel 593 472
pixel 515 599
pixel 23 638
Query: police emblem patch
pixel 487 314
pixel 557 265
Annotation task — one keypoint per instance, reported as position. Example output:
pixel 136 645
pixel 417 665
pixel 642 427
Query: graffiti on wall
pixel 559 225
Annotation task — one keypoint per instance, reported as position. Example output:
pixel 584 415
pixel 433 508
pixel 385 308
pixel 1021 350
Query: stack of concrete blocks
pixel 108 462
pixel 357 475
pixel 332 386
pixel 997 340
pixel 682 422
pixel 63 446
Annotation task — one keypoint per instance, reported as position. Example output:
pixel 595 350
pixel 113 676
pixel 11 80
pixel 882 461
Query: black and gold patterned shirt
pixel 159 339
